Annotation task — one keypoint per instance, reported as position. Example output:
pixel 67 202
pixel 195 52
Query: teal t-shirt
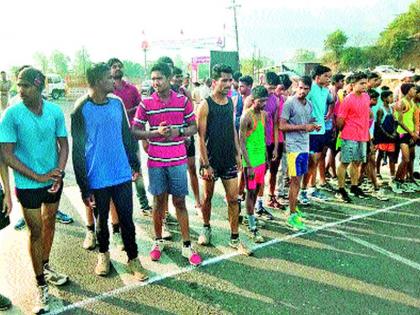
pixel 318 96
pixel 35 138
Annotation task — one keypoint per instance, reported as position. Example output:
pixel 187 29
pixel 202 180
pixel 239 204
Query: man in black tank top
pixel 219 153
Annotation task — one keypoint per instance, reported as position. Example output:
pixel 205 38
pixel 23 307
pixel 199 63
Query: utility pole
pixel 233 7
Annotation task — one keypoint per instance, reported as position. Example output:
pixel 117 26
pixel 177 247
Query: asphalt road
pixel 358 258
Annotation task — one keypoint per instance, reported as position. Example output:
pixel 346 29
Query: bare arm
pixel 4 173
pixel 203 111
pixel 244 127
pixel 63 149
pixel 340 123
pixel 286 127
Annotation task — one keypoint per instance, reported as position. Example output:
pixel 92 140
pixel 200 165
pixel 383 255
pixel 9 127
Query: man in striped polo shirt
pixel 171 119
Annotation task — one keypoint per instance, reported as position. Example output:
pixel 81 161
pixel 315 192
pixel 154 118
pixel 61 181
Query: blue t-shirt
pixel 329 122
pixel 35 137
pixel 106 159
pixel 318 96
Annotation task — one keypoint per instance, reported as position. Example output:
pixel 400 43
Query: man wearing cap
pixel 34 144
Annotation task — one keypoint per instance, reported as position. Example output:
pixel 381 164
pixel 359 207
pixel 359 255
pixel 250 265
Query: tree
pixel 133 69
pixel 81 62
pixel 335 42
pixel 352 58
pixel 59 63
pixel 304 55
pixel 41 61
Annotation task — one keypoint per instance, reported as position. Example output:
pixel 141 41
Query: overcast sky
pixel 115 28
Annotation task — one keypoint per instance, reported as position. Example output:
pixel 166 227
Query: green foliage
pixel 203 71
pixel 335 42
pixel 304 55
pixel 249 66
pixel 351 58
pixel 59 63
pixel 81 63
pixel 133 69
pixel 41 61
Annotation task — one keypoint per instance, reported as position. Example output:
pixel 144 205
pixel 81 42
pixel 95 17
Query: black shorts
pixel 270 151
pixel 317 143
pixel 34 198
pixel 223 174
pixel 190 144
pixel 331 139
pixel 406 138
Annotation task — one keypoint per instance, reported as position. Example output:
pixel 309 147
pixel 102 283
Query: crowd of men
pixel 293 132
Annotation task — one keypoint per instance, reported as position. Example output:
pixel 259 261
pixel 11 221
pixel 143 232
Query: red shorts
pixel 387 147
pixel 251 183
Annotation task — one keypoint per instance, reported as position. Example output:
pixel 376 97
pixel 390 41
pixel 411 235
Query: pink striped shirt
pixel 177 112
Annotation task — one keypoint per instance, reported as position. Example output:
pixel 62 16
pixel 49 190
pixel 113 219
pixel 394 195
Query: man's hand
pixel 208 173
pixel 56 186
pixel 164 130
pixel 7 204
pixel 135 176
pixel 414 136
pixel 250 172
pixel 52 175
pixel 312 127
pixel 90 201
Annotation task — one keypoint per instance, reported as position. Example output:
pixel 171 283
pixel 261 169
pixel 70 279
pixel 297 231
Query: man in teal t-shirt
pixel 34 144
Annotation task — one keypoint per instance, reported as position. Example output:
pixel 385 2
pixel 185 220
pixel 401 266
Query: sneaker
pixel 136 269
pixel 240 247
pixel 20 224
pixel 205 236
pixel 5 303
pixel 103 264
pixel 342 195
pixel 193 257
pixel 157 249
pixel 171 220
pixel 379 194
pixel 63 218
pixel 406 188
pixel 395 187
pixel 416 175
pixel 327 187
pixel 259 223
pixel 117 241
pixel 316 195
pixel 413 184
pixel 166 234
pixel 295 221
pixel 273 203
pixel 300 213
pixel 146 211
pixel 303 198
pixel 54 277
pixel 357 192
pixel 264 213
pixel 256 236
pixel 41 300
pixel 90 240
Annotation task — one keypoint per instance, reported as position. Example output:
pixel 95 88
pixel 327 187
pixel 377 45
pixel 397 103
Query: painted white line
pixel 381 250
pixel 217 259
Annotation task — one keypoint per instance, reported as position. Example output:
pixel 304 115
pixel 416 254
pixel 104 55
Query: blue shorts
pixel 172 180
pixel 353 151
pixel 317 143
pixel 297 163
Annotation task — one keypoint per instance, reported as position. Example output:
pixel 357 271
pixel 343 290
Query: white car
pixel 55 86
pixel 386 69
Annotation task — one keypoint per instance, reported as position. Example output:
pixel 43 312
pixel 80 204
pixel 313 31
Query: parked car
pixel 146 86
pixel 386 69
pixel 55 86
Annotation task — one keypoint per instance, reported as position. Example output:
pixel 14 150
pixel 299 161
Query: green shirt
pixel 255 142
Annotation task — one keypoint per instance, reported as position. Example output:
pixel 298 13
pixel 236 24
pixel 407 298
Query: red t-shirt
pixel 355 111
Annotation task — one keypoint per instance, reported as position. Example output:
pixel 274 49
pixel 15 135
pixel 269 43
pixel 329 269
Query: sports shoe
pixel 146 211
pixel 240 247
pixel 273 203
pixel 406 188
pixel 295 221
pixel 303 198
pixel 54 277
pixel 342 195
pixel 20 224
pixel 300 213
pixel 379 194
pixel 256 236
pixel 117 241
pixel 395 187
pixel 41 300
pixel 327 187
pixel 90 240
pixel 259 223
pixel 157 249
pixel 171 220
pixel 136 269
pixel 357 192
pixel 193 257
pixel 413 184
pixel 316 195
pixel 205 236
pixel 5 303
pixel 63 218
pixel 264 213
pixel 103 264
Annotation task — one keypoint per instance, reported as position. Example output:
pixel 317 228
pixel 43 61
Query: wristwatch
pixel 181 131
pixel 62 173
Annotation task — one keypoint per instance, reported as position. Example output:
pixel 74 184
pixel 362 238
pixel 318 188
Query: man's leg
pixel 192 172
pixel 101 211
pixel 33 220
pixel 208 195
pixel 231 189
pixel 405 159
pixel 294 192
pixel 355 173
pixel 158 213
pixel 89 242
pixel 141 194
pixel 341 174
pixel 48 228
pixel 321 168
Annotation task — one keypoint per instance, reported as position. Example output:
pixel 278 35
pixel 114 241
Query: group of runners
pixel 288 132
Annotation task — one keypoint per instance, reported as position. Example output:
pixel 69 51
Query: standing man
pixel 253 144
pixel 353 121
pixel 219 153
pixel 171 118
pixel 34 145
pixel 318 96
pixel 5 86
pixel 100 130
pixel 296 122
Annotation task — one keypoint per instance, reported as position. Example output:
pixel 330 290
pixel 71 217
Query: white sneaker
pixel 90 240
pixel 41 300
pixel 103 264
pixel 205 236
pixel 136 269
pixel 379 194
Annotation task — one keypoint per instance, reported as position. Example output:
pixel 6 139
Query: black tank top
pixel 220 141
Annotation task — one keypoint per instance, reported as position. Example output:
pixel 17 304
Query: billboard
pixel 230 58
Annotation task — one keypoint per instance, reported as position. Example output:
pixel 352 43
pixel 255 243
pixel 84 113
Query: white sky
pixel 114 28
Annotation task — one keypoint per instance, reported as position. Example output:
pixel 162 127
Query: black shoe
pixel 342 195
pixel 263 213
pixel 357 192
